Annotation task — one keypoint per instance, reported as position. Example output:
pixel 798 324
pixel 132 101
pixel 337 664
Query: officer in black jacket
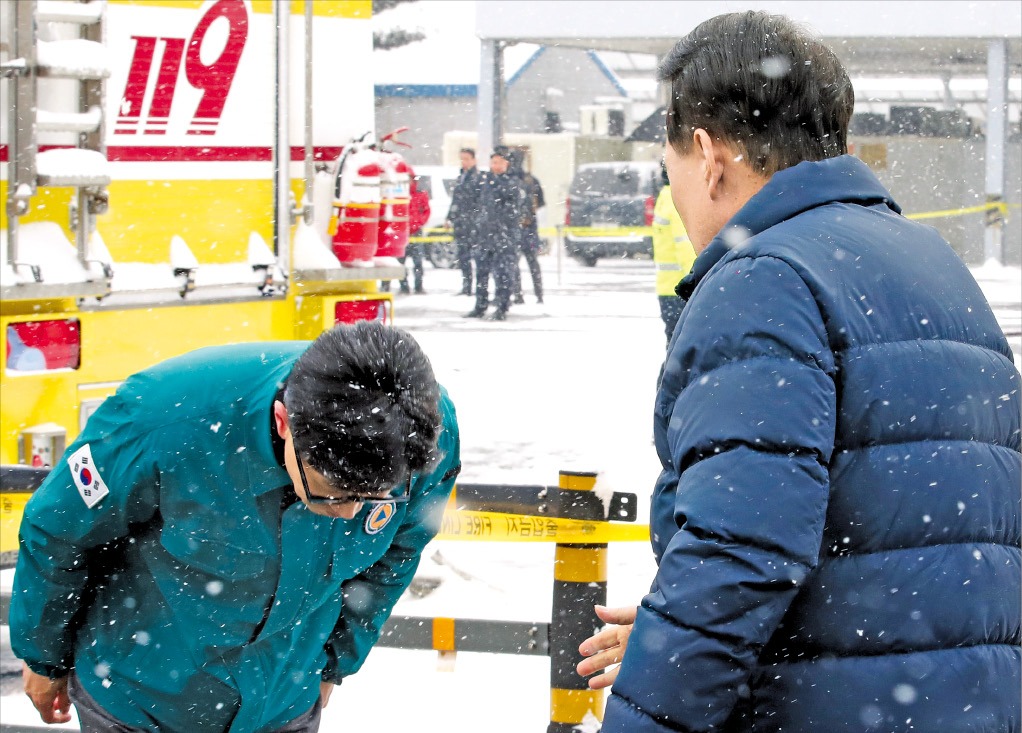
pixel 464 216
pixel 502 206
pixel 530 242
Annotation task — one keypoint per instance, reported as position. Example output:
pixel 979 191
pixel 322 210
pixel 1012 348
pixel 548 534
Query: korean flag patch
pixel 86 477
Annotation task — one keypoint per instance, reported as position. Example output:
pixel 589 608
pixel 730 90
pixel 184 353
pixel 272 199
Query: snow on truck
pixel 159 164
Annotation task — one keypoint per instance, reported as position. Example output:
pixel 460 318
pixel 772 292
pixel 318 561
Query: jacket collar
pixel 788 193
pixel 265 473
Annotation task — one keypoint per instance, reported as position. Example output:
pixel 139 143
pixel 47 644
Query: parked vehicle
pixel 438 181
pixel 609 197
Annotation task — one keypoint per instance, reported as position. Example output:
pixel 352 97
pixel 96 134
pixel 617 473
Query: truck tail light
pixel 567 212
pixel 372 309
pixel 647 210
pixel 44 345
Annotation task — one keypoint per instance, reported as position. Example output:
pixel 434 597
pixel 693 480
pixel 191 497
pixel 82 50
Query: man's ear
pixel 713 159
pixel 280 419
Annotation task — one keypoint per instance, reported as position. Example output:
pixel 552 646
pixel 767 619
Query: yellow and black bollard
pixel 580 582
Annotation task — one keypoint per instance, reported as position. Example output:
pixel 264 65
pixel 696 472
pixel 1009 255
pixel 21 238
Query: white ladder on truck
pixel 85 168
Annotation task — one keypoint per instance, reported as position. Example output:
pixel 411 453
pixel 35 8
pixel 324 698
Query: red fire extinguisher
pixel 395 194
pixel 354 225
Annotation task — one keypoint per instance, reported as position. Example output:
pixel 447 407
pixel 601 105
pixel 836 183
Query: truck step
pixel 65 11
pixel 75 58
pixel 72 167
pixel 69 121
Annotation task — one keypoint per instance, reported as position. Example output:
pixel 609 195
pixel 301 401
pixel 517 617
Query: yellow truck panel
pixel 189 134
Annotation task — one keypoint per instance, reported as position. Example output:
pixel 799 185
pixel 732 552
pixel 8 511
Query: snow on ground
pixel 567 385
pixel 564 385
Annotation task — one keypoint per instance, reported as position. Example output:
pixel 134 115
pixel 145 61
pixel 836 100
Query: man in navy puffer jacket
pixel 836 523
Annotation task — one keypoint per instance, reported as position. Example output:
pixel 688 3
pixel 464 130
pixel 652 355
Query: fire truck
pixel 164 190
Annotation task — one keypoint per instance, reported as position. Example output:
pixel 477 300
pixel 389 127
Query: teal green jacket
pixel 193 596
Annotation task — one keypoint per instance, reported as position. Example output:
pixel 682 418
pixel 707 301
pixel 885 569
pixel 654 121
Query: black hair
pixel 470 151
pixel 516 162
pixel 762 84
pixel 364 407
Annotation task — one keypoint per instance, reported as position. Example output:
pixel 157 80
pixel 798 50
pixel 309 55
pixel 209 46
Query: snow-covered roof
pixel 449 54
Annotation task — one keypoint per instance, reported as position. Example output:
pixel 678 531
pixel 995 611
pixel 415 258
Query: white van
pixel 438 182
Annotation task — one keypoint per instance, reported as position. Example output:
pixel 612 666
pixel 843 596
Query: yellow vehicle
pixel 159 163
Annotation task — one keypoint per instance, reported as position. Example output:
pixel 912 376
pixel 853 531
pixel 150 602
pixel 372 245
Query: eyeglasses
pixel 353 498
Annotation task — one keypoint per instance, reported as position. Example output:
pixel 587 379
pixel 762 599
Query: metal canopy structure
pixel 875 56
pixel 876 38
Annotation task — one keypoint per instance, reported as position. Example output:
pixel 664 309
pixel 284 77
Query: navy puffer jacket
pixel 837 519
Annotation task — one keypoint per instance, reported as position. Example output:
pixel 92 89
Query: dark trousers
pixel 501 263
pixel 94 719
pixel 670 312
pixel 537 274
pixel 465 264
pixel 415 251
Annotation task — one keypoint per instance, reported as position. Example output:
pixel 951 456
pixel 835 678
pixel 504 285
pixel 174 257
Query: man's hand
pixel 607 647
pixel 325 690
pixel 48 695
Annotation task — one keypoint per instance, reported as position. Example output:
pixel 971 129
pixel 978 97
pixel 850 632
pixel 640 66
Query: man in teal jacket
pixel 224 540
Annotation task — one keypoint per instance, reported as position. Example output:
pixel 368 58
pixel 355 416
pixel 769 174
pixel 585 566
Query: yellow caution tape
pixel 1001 206
pixel 552 232
pixel 464 524
pixel 458 524
pixel 993 205
pixel 433 234
pixel 609 231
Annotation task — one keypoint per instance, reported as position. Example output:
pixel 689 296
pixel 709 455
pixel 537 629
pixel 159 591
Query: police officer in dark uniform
pixel 464 215
pixel 502 206
pixel 530 242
